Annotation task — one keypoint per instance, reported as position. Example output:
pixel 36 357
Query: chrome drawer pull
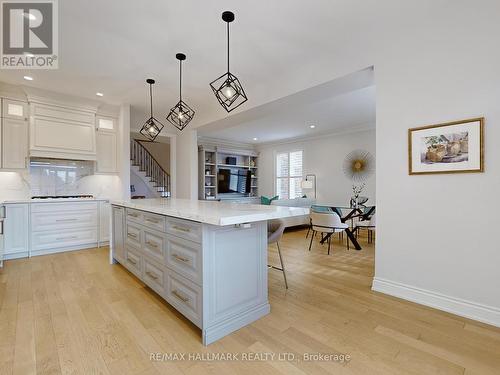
pixel 182 259
pixel 180 296
pixel 133 235
pixel 62 220
pixel 181 229
pixel 153 221
pixel 152 275
pixel 131 261
pixel 152 244
pixel 66 238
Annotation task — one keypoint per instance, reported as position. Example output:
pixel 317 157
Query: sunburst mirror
pixel 359 165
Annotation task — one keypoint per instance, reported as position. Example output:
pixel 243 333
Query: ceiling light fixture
pixel 312 126
pixel 99 94
pixel 255 139
pixel 152 127
pixel 227 88
pixel 28 78
pixel 181 114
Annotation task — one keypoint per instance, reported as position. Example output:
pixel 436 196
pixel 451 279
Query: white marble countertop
pixel 215 213
pixel 53 200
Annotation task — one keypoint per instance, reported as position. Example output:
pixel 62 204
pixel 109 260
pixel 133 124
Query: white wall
pixel 186 159
pixel 437 241
pixel 323 157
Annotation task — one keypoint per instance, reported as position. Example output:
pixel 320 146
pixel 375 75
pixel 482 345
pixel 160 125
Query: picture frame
pixel 452 147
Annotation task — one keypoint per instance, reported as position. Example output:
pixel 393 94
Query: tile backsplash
pixel 57 176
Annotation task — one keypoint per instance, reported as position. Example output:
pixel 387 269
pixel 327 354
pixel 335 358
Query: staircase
pixel 157 177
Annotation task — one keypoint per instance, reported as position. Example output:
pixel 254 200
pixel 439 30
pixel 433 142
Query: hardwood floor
pixel 73 313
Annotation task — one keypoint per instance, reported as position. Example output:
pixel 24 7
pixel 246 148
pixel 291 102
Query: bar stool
pixel 275 229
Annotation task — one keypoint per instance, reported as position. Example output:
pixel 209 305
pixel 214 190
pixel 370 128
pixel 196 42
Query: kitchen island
pixel 207 259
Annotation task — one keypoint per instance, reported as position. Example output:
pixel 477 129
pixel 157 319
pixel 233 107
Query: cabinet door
pixel 16 230
pixel 118 244
pixel 14 109
pixel 106 152
pixel 104 220
pixel 14 143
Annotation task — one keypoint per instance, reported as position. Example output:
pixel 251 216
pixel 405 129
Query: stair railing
pixel 146 162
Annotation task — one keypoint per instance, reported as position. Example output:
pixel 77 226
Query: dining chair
pixel 369 225
pixel 275 229
pixel 327 224
pixel 320 209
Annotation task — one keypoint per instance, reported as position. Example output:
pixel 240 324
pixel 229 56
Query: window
pixel 289 174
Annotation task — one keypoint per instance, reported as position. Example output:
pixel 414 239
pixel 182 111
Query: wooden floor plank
pixel 74 313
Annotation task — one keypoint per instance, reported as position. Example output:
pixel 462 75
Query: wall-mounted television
pixel 234 180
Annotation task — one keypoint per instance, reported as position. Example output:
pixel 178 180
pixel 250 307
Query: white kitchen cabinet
pixel 60 132
pixel 14 143
pixel 57 227
pixel 107 152
pixel 16 231
pixel 104 222
pixel 14 109
pixel 118 241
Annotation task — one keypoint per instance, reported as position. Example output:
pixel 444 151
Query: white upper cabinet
pixel 61 132
pixel 14 134
pixel 14 109
pixel 107 148
pixel 14 143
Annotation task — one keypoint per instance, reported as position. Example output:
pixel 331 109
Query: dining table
pixel 346 213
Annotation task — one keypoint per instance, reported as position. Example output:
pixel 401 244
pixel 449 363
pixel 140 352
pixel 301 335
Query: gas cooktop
pixel 63 197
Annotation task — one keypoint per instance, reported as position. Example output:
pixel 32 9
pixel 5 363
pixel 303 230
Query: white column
pixel 124 150
pixel 186 162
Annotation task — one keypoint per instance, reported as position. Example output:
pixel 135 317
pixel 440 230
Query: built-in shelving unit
pixel 211 159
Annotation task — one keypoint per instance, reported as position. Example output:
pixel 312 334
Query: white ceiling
pixel 342 105
pixel 277 48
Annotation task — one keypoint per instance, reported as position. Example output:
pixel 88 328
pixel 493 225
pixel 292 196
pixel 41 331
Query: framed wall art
pixel 453 147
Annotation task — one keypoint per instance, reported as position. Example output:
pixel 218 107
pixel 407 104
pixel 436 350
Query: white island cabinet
pixel 207 259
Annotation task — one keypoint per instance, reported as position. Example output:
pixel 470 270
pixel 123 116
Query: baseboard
pixel 230 325
pixel 457 306
pixel 35 253
pixel 11 256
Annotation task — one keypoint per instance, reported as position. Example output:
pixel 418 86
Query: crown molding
pixel 337 132
pixel 214 142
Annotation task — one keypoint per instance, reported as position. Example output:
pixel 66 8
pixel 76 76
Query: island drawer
pixel 185 296
pixel 133 235
pixel 154 276
pixel 154 221
pixel 154 244
pixel 189 230
pixel 134 215
pixel 184 257
pixel 133 261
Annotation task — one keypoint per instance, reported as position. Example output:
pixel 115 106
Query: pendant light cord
pixel 151 98
pixel 180 80
pixel 228 47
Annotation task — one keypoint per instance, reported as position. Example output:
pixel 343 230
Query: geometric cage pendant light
pixel 227 88
pixel 181 114
pixel 152 127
